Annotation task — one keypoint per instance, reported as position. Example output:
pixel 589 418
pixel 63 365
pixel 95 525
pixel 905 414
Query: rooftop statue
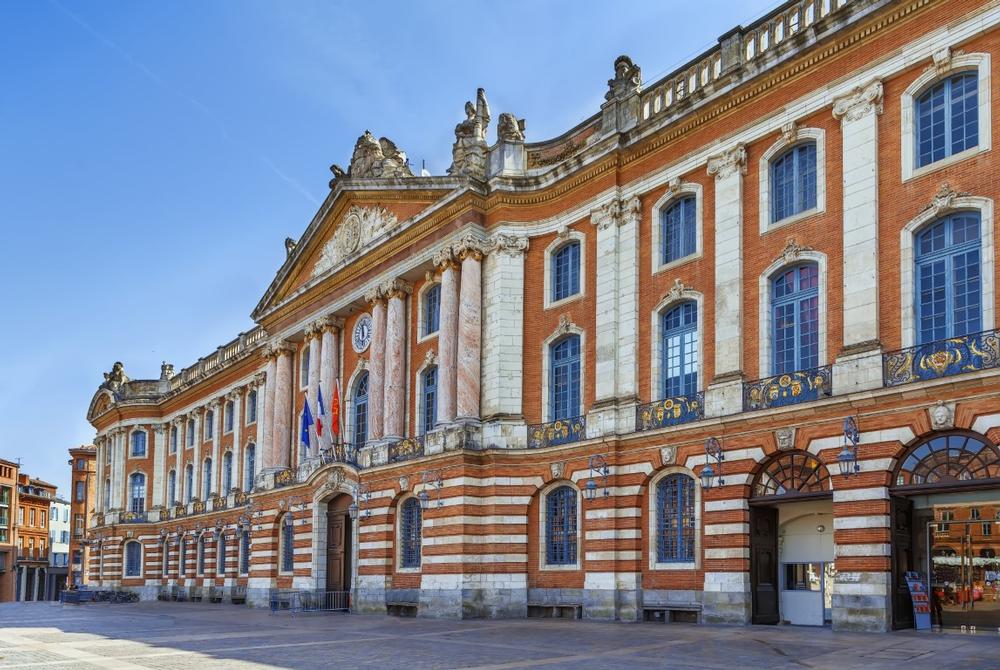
pixel 510 128
pixel 374 158
pixel 628 79
pixel 115 379
pixel 469 153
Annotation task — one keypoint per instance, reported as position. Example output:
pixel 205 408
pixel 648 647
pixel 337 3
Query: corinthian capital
pixel 374 295
pixel 728 163
pixel 859 103
pixel 509 244
pixel 606 215
pixel 444 258
pixel 470 246
pixel 396 288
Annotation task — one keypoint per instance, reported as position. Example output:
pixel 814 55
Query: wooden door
pixel 764 565
pixel 336 549
pixel 901 518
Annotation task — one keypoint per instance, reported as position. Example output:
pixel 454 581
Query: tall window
pixel 432 309
pixel 173 440
pixel 139 443
pixel 566 271
pixel 182 567
pixel 564 378
pixel 249 468
pixel 189 482
pixel 190 432
pixel 252 406
pixel 361 410
pixel 107 493
pixel 81 491
pixel 172 488
pixel 133 559
pixel 220 555
pixel 304 367
pixel 428 382
pixel 948 275
pixel 287 544
pixel 675 519
pixel 201 555
pixel 209 424
pixel 206 479
pixel 244 552
pixel 795 315
pixel 228 415
pixel 679 350
pixel 793 181
pixel 947 118
pixel 560 526
pixel 137 485
pixel 409 534
pixel 227 472
pixel 677 230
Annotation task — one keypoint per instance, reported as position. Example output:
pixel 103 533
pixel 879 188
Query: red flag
pixel 335 410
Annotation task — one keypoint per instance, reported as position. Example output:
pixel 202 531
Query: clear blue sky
pixel 154 155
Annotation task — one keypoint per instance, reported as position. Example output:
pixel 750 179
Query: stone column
pixel 101 504
pixel 376 371
pixel 218 408
pixel 447 336
pixel 236 396
pixel 265 419
pixel 314 335
pixel 329 367
pixel 503 350
pixel 197 415
pixel 179 461
pixel 282 432
pixel 117 466
pixel 725 394
pixel 859 366
pixel 159 446
pixel 470 252
pixel 396 291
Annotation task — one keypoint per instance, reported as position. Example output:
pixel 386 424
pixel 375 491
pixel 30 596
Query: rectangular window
pixel 139 444
pixel 31 517
pixel 81 491
pixel 566 271
pixel 209 424
pixel 251 407
pixel 228 416
pixel 190 432
pixel 803 576
pixel 44 517
pixel 987 528
pixel 173 441
pixel 245 552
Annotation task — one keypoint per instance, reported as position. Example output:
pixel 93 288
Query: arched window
pixel 182 567
pixel 172 488
pixel 245 552
pixel 678 230
pixel 201 555
pixel 173 440
pixel 948 275
pixel 947 116
pixel 190 432
pixel 566 271
pixel 137 487
pixel 206 479
pixel 564 378
pixel 679 350
pixel 287 543
pixel 560 526
pixel 793 181
pixel 227 473
pixel 409 534
pixel 304 367
pixel 361 410
pixel 428 383
pixel 107 493
pixel 228 416
pixel 189 482
pixel 949 458
pixel 675 519
pixel 133 559
pixel 220 555
pixel 432 309
pixel 795 319
pixel 791 472
pixel 139 444
pixel 249 468
pixel 209 424
pixel 252 406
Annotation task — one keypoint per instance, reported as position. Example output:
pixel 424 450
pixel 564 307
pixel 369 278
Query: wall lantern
pixel 598 471
pixel 713 452
pixel 430 479
pixel 847 459
pixel 352 510
pixel 362 498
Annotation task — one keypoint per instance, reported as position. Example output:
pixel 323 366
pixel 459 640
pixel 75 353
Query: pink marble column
pixel 329 366
pixel 267 447
pixel 470 331
pixel 376 366
pixel 282 431
pixel 314 335
pixel 447 336
pixel 396 292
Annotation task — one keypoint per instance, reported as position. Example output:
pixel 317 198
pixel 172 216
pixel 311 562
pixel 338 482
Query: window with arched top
pixel 361 410
pixel 793 181
pixel 795 319
pixel 172 488
pixel 228 416
pixel 947 118
pixel 249 467
pixel 220 555
pixel 251 406
pixel 287 542
pixel 566 271
pixel 678 230
pixel 209 424
pixel 564 378
pixel 948 274
pixel 431 314
pixel 410 527
pixel 561 526
pixel 949 458
pixel 428 394
pixel 182 557
pixel 227 472
pixel 679 350
pixel 675 519
pixel 189 483
pixel 245 552
pixel 137 489
pixel 133 559
pixel 206 479
pixel 791 473
pixel 201 555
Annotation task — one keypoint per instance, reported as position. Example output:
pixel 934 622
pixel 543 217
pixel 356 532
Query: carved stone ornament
pixel 404 483
pixel 944 199
pixel 396 288
pixel 509 244
pixel 556 468
pixel 627 79
pixel 443 258
pixel 510 128
pixel 374 159
pixel 606 215
pixel 359 226
pixel 793 250
pixel 673 185
pixel 361 365
pixel 668 455
pixel 784 438
pixel 469 153
pixel 728 163
pixel 790 132
pixel 115 379
pixel 259 378
pixel 166 371
pixel 430 358
pixel 631 211
pixel 676 291
pixel 565 325
pixel 859 103
pixel 942 59
pixel 942 415
pixel 470 245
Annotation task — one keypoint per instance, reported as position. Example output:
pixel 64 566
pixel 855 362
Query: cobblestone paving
pixel 174 636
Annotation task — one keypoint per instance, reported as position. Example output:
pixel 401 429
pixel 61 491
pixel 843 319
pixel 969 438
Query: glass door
pixel 965 573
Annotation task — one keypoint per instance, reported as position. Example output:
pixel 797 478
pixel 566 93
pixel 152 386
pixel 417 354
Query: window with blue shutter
pixel 564 382
pixel 679 350
pixel 201 555
pixel 566 271
pixel 560 526
pixel 795 319
pixel 361 410
pixel 677 230
pixel 137 486
pixel 949 278
pixel 220 555
pixel 947 118
pixel 172 488
pixel 429 384
pixel 287 544
pixel 206 479
pixel 793 181
pixel 133 559
pixel 432 309
pixel 139 443
pixel 245 552
pixel 227 473
pixel 409 531
pixel 189 483
pixel 675 519
pixel 250 467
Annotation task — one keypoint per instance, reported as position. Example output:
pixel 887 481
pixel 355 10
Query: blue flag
pixel 307 421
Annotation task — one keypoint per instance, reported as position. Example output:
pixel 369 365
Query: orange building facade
pixel 34 500
pixel 82 482
pixel 8 530
pixel 718 353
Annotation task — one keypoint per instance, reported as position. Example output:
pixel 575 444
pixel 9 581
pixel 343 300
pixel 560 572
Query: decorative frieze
pixel 356 230
pixel 509 244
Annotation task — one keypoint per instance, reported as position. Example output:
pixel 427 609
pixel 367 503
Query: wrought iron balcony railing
pixel 406 449
pixel 942 358
pixel 133 517
pixel 670 412
pixel 344 452
pixel 789 388
pixel 554 433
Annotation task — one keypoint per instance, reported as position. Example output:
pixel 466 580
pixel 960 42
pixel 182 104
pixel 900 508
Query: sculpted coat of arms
pixel 358 227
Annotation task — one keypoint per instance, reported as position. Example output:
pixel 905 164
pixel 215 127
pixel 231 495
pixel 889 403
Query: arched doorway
pixel 339 552
pixel 946 527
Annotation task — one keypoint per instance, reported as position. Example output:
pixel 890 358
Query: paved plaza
pixel 207 637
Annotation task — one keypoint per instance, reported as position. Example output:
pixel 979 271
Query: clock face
pixel 362 333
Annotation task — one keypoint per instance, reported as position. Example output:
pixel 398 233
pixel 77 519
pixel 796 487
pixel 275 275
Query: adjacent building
pixel 8 529
pixel 59 525
pixel 34 500
pixel 81 462
pixel 725 351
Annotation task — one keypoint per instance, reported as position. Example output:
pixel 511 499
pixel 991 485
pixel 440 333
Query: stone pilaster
pixel 282 434
pixel 862 591
pixel 265 420
pixel 396 292
pixel 470 251
pixel 236 396
pixel 376 366
pixel 161 432
pixel 447 336
pixel 197 415
pixel 218 409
